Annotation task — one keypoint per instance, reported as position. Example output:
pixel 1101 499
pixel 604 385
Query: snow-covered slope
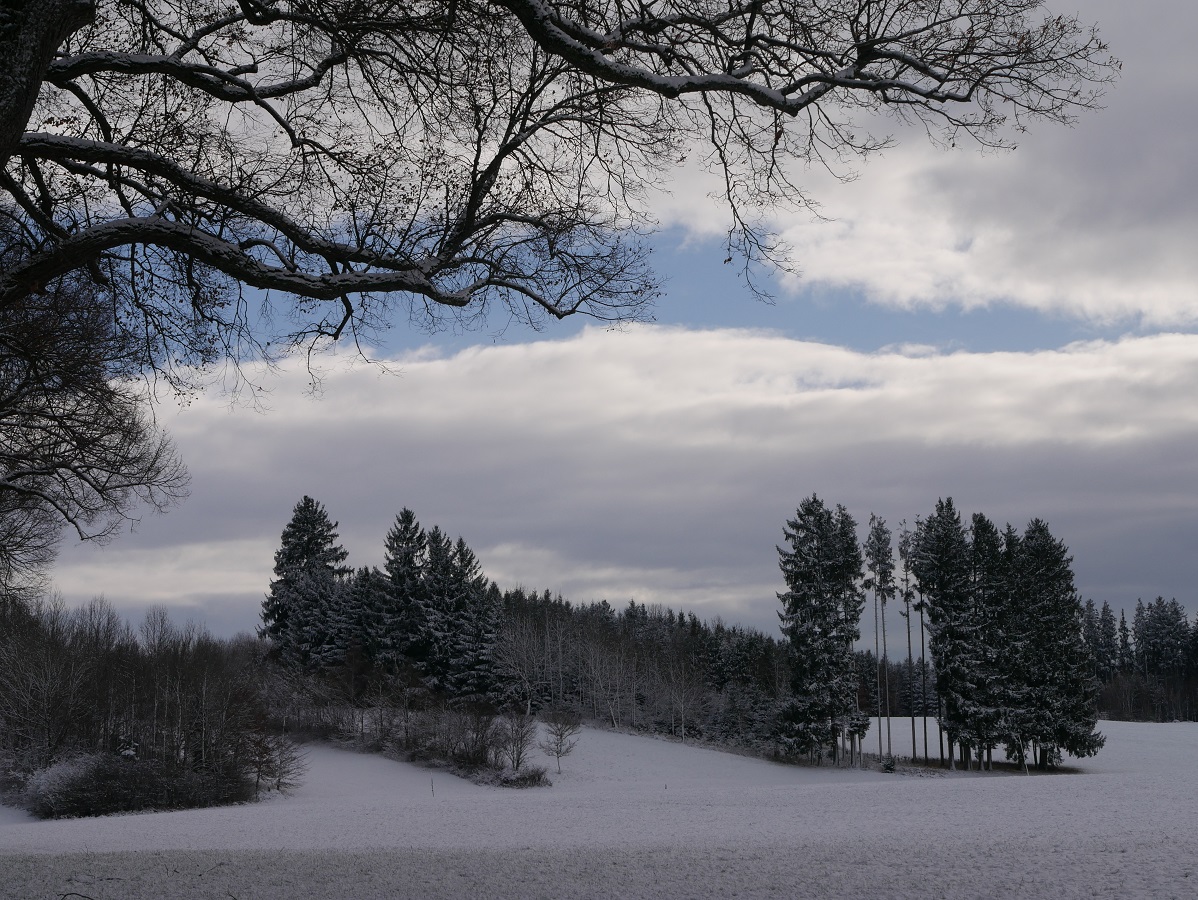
pixel 635 816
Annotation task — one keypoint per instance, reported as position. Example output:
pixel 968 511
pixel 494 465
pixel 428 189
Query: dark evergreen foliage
pixel 308 563
pixel 941 564
pixel 1057 707
pixel 820 616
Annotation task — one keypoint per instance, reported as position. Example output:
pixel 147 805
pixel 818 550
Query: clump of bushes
pixel 529 776
pixel 103 783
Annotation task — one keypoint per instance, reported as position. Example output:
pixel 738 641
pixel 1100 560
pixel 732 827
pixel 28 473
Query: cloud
pixel 661 463
pixel 1097 222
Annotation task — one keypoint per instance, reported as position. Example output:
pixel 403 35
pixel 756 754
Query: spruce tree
pixel 405 631
pixel 308 565
pixel 431 637
pixel 879 564
pixel 940 563
pixel 312 637
pixel 1107 661
pixel 472 629
pixel 1058 708
pixel 1126 652
pixel 986 711
pixel 362 639
pixel 820 618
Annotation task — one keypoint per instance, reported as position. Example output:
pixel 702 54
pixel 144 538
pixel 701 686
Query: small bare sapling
pixel 561 734
pixel 518 732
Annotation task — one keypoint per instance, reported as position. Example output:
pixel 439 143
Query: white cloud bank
pixel 661 464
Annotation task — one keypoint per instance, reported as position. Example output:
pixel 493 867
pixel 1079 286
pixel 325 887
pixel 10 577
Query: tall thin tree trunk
pixel 911 679
pixel 923 686
pixel 940 736
pixel 886 680
pixel 878 674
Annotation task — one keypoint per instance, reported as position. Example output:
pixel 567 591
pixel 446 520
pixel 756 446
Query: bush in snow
pixel 516 734
pixel 103 783
pixel 529 776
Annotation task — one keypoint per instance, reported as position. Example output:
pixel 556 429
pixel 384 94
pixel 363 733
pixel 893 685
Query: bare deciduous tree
pixel 206 165
pixel 518 730
pixel 76 444
pixel 451 157
pixel 520 654
pixel 561 734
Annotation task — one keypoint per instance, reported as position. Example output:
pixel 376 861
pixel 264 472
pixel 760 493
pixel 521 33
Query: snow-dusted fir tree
pixel 1057 708
pixel 984 711
pixel 820 617
pixel 940 563
pixel 1090 627
pixel 879 567
pixel 360 619
pixel 1126 651
pixel 405 628
pixel 312 638
pixel 432 641
pixel 1106 661
pixel 308 564
pixel 473 612
pixel 1162 638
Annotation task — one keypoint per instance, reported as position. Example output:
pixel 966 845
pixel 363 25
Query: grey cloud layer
pixel 661 464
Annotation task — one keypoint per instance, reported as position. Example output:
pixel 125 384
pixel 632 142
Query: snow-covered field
pixel 639 817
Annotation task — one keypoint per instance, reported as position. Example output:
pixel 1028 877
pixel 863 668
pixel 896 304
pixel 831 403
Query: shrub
pixel 516 735
pixel 274 762
pixel 104 783
pixel 529 776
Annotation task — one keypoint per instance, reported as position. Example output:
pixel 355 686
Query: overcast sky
pixel 1017 331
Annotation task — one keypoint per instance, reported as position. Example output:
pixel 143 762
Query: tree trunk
pixel 30 32
pixel 878 674
pixel 886 681
pixel 911 678
pixel 923 688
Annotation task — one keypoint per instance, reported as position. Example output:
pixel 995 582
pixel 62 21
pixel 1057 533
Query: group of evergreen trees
pixel 430 629
pixel 1003 627
pixel 429 618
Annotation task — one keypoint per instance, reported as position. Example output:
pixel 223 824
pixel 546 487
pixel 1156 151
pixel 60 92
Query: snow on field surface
pixel 638 817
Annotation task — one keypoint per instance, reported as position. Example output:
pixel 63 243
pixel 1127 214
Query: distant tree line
pixel 1148 670
pixel 428 657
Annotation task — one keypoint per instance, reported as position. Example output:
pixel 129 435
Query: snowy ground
pixel 638 817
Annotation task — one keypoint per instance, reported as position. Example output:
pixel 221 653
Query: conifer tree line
pixel 1002 656
pixel 998 616
pixel 428 655
pixel 1148 669
pixel 428 619
pixel 428 638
